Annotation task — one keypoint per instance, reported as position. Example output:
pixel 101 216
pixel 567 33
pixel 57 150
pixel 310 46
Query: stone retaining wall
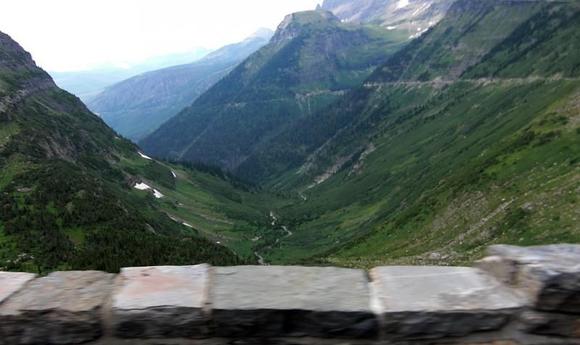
pixel 516 296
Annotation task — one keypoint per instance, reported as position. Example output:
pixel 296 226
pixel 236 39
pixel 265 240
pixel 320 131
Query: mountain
pixel 310 62
pixel 413 16
pixel 137 106
pixel 467 136
pixel 364 148
pixel 73 195
pixel 86 84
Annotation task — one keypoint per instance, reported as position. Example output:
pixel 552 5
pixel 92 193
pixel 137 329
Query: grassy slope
pixel 510 186
pixel 465 163
pixel 468 33
pixel 68 209
pixel 214 206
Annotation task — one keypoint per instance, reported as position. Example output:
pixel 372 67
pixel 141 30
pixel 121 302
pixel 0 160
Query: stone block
pixel 437 302
pixel 548 275
pixel 62 308
pixel 10 283
pixel 162 302
pixel 501 268
pixel 552 324
pixel 254 301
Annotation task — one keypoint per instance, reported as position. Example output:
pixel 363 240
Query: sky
pixel 74 35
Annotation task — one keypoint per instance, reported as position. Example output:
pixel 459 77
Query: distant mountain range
pixel 87 84
pixel 137 106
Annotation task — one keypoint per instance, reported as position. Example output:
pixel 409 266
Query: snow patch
pixel 142 186
pixel 145 186
pixel 402 4
pixel 173 173
pixel 188 225
pixel 145 156
pixel 158 194
pixel 391 28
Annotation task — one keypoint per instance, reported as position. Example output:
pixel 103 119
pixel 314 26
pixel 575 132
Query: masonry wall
pixel 515 296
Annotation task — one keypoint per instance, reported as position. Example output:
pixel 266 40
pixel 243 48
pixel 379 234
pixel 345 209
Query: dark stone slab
pixel 548 275
pixel 62 308
pixel 254 301
pixel 162 302
pixel 437 302
pixel 561 325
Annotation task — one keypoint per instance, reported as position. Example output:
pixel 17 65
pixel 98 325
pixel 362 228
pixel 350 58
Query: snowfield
pixel 145 156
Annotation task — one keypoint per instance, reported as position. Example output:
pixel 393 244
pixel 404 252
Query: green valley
pixel 344 141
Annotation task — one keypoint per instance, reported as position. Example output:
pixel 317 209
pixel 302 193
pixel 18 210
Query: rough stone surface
pixel 10 283
pixel 562 325
pixel 435 302
pixel 162 302
pixel 62 308
pixel 549 275
pixel 292 301
pixel 502 269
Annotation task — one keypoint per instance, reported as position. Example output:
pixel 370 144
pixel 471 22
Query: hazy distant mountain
pixel 137 106
pixel 415 16
pixel 311 60
pixel 87 84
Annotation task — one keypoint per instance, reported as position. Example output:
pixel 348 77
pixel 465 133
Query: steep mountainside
pixel 137 106
pixel 469 32
pixel 73 195
pixel 413 16
pixel 312 60
pixel 467 136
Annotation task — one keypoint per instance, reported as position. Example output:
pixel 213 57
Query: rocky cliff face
pixel 296 23
pixel 415 16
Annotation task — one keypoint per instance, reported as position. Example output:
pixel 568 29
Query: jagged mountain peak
pixel 17 67
pixel 294 24
pixel 10 51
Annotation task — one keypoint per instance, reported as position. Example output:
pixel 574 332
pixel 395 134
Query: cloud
pixel 76 35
